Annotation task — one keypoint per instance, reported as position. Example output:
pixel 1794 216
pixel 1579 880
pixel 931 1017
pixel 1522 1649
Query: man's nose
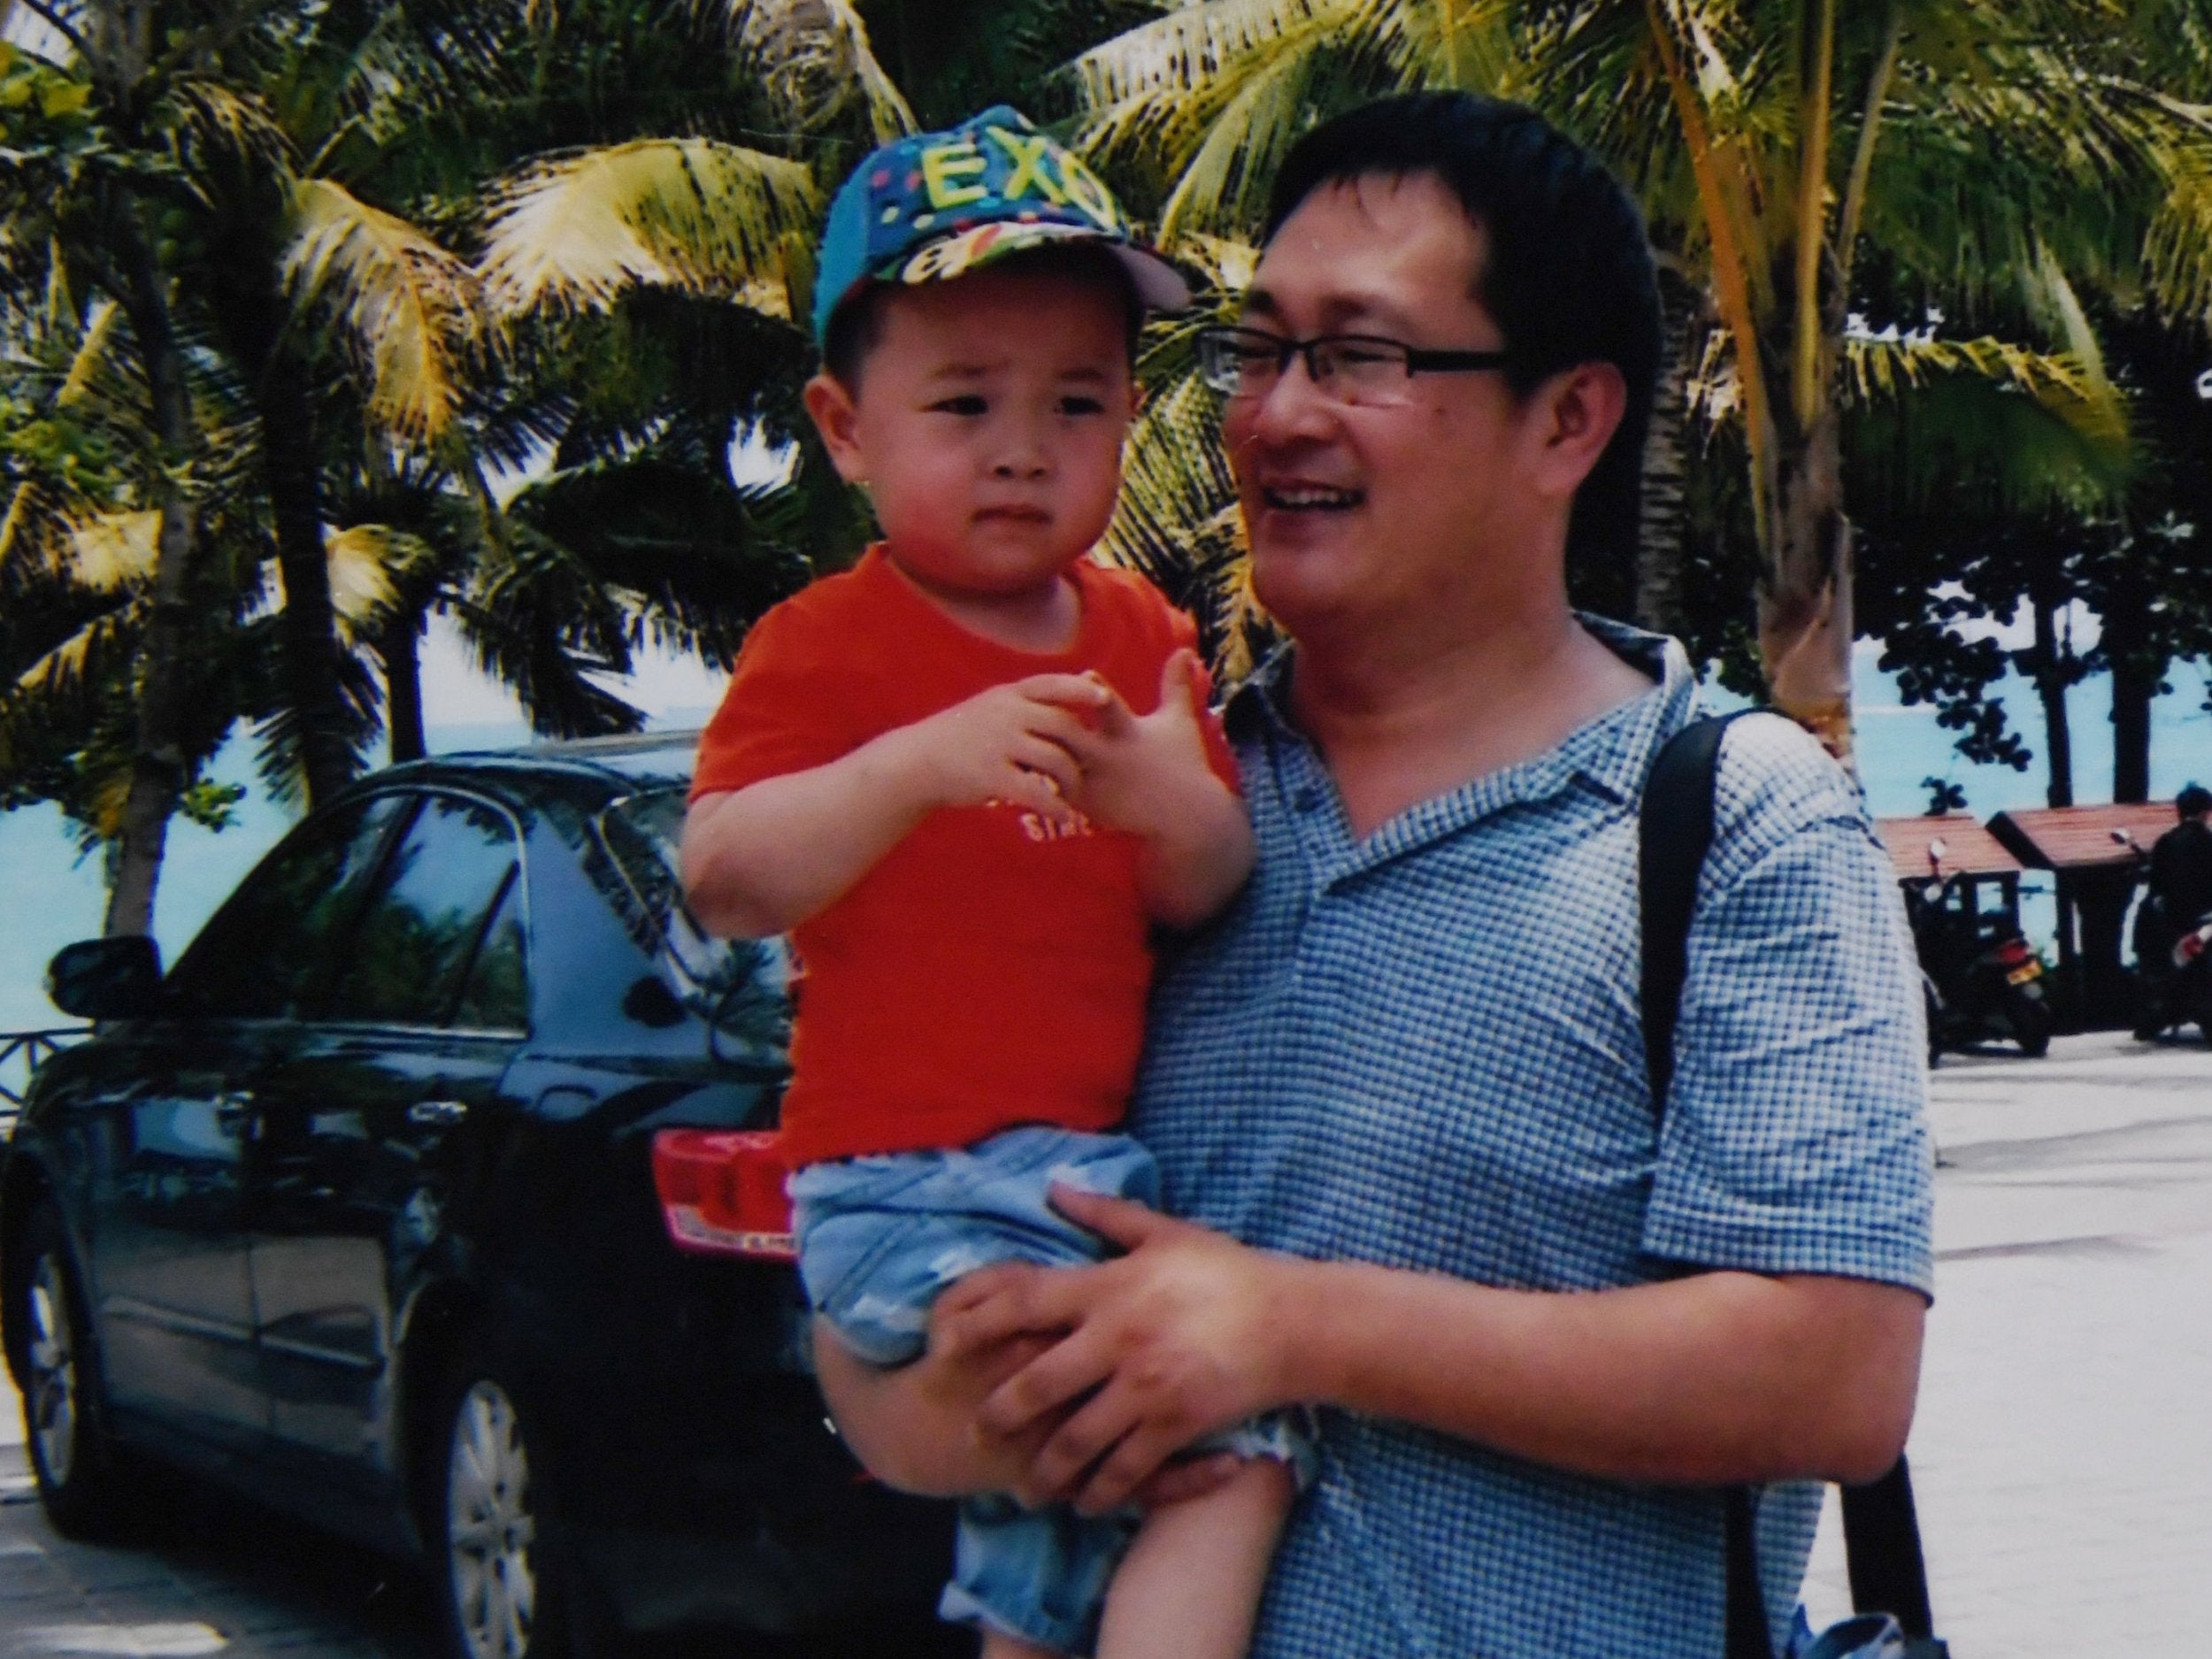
pixel 1293 406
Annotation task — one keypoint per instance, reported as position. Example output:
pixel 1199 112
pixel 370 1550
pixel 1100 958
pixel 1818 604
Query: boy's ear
pixel 836 418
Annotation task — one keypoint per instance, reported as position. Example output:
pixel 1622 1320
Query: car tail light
pixel 721 1193
pixel 2189 947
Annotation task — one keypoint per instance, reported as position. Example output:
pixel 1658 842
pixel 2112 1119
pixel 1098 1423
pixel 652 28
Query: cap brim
pixel 1158 282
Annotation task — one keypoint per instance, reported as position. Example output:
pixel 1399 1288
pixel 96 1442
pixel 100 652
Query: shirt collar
pixel 1612 752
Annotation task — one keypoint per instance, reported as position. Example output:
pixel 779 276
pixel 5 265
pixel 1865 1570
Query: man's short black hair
pixel 856 328
pixel 2194 800
pixel 1568 275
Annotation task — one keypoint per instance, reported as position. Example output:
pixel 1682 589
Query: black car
pixel 385 1204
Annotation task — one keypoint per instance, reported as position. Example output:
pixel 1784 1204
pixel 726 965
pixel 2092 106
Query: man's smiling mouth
pixel 1312 498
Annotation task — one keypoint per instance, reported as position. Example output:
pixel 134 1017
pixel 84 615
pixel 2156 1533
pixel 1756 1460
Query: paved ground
pixel 2063 1453
pixel 2063 1450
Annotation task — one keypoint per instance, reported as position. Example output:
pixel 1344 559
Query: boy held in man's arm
pixel 968 777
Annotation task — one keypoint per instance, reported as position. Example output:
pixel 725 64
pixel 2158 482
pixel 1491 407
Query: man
pixel 2177 896
pixel 1399 1091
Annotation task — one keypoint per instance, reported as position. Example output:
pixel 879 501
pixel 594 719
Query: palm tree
pixel 1981 148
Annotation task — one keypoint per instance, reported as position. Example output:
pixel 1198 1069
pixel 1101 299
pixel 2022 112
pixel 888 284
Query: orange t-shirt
pixel 987 972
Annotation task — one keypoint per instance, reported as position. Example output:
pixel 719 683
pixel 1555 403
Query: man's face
pixel 1381 513
pixel 988 425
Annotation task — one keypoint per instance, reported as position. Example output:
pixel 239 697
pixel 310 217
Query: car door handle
pixel 437 1114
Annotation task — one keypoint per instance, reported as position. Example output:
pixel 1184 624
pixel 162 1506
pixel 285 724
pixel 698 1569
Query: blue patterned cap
pixel 936 206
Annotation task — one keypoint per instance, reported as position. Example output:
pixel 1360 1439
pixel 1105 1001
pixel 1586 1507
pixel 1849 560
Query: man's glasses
pixel 1350 368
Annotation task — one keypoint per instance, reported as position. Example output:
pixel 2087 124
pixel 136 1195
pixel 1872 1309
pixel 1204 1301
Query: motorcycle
pixel 1979 975
pixel 2174 964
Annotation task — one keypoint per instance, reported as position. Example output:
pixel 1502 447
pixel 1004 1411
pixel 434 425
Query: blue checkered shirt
pixel 1421 1049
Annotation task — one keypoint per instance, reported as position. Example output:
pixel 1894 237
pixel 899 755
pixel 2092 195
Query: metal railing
pixel 22 1052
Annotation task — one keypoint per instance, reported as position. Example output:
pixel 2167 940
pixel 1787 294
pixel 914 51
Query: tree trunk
pixel 403 684
pixel 308 625
pixel 2049 663
pixel 157 758
pixel 1661 532
pixel 2137 668
pixel 1805 596
pixel 2133 685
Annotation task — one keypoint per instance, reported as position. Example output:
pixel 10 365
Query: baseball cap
pixel 935 205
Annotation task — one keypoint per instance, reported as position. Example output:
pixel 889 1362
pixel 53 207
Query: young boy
pixel 968 777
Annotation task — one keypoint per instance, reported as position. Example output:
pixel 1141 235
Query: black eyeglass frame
pixel 1418 359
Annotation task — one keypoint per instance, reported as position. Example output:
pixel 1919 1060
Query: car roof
pixel 588 771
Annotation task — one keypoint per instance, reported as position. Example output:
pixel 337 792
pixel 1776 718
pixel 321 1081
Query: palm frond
pixel 692 559
pixel 409 309
pixel 90 361
pixel 814 58
pixel 1984 421
pixel 367 563
pixel 2059 382
pixel 572 232
pixel 2177 247
pixel 113 551
pixel 226 138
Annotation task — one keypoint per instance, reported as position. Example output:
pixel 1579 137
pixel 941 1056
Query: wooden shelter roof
pixel 1968 849
pixel 2080 837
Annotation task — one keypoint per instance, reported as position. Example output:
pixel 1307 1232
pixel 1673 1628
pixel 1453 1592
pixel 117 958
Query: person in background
pixel 2177 898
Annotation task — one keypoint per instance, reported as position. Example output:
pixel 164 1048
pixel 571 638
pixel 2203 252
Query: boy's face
pixel 987 425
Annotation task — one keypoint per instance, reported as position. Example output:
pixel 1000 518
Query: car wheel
pixel 505 1579
pixel 74 1462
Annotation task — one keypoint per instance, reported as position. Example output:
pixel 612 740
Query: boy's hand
pixel 1013 743
pixel 1138 771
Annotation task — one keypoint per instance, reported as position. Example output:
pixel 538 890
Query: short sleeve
pixel 784 711
pixel 1796 1139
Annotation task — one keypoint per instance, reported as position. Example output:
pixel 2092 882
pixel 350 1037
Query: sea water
pixel 50 895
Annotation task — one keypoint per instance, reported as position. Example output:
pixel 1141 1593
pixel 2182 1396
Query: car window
pixel 741 985
pixel 496 996
pixel 265 953
pixel 442 894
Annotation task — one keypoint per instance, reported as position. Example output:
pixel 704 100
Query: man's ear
pixel 837 418
pixel 1579 411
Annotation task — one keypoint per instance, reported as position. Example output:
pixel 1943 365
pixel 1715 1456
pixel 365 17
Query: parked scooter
pixel 2173 962
pixel 1981 977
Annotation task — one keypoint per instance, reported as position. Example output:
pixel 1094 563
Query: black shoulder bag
pixel 1881 1533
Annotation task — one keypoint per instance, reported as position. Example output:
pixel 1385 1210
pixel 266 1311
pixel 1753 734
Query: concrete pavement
pixel 2062 1451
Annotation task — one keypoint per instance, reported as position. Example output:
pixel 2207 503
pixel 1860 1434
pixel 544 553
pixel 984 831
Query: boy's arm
pixel 1149 775
pixel 763 858
pixel 1198 855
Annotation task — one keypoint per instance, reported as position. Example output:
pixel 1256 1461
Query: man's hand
pixel 1182 1336
pixel 1013 743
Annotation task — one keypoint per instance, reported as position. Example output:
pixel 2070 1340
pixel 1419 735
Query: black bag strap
pixel 1881 1533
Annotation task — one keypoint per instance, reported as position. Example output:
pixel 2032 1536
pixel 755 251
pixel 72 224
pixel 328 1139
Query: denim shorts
pixel 881 1237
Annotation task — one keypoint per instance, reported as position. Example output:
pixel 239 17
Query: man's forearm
pixel 763 859
pixel 1714 1378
